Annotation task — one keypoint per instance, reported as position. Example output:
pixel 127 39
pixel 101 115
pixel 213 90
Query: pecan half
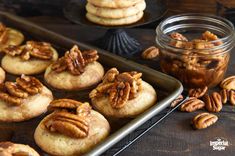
pixel 150 53
pixel 209 36
pixel 64 104
pixel 14 90
pixel 178 36
pixel 3 33
pixel 228 83
pixel 204 120
pixel 224 95
pixel 213 102
pixel 119 94
pixel 14 101
pixel 41 50
pixel 13 50
pixel 192 104
pixel 176 101
pixel 90 56
pixel 197 92
pixel 29 84
pixel 60 65
pixel 100 90
pixel 68 124
pixel 110 75
pixel 232 97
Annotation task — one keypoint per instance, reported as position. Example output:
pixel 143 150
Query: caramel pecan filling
pixel 3 33
pixel 119 87
pixel 70 118
pixel 32 49
pixel 15 92
pixel 75 61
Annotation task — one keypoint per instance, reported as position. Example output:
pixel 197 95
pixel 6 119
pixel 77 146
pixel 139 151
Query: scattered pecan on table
pixel 119 87
pixel 32 49
pixel 197 92
pixel 213 102
pixel 228 83
pixel 204 120
pixel 227 95
pixel 15 92
pixel 75 61
pixel 192 104
pixel 69 118
pixel 150 53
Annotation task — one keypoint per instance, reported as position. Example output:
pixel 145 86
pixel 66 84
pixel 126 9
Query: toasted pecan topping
pixel 14 92
pixel 70 118
pixel 119 87
pixel 29 84
pixel 39 50
pixel 3 33
pixel 68 124
pixel 75 61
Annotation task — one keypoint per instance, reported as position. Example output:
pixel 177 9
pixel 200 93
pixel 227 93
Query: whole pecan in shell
pixel 204 120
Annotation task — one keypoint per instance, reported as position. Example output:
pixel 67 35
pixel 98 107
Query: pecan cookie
pixel 24 99
pixel 13 149
pixel 72 129
pixel 76 70
pixel 123 95
pixel 9 36
pixel 31 58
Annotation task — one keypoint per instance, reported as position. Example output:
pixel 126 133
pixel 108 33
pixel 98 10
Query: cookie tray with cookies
pixel 166 87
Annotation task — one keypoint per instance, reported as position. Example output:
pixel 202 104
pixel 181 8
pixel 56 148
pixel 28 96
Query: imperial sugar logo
pixel 219 144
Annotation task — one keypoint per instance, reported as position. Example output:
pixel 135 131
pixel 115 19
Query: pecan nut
pixel 3 33
pixel 178 36
pixel 224 93
pixel 176 101
pixel 75 61
pixel 61 104
pixel 29 84
pixel 228 83
pixel 197 92
pixel 68 124
pixel 14 90
pixel 192 104
pixel 83 110
pixel 110 75
pixel 14 101
pixel 204 120
pixel 232 97
pixel 213 102
pixel 119 94
pixel 150 53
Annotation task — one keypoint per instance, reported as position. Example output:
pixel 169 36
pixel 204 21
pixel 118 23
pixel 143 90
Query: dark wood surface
pixel 174 136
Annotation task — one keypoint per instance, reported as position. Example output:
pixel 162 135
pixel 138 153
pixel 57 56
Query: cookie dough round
pixel 2 75
pixel 14 38
pixel 9 148
pixel 59 144
pixel 113 3
pixel 115 13
pixel 32 106
pixel 65 81
pixel 145 99
pixel 15 65
pixel 115 22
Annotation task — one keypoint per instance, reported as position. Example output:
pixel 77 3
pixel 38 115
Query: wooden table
pixel 173 136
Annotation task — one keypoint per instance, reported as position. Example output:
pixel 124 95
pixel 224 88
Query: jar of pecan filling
pixel 195 48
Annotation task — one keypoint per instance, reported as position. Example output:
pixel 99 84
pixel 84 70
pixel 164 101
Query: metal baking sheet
pixel 167 87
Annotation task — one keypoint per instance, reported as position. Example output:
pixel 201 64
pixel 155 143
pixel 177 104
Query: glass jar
pixel 194 61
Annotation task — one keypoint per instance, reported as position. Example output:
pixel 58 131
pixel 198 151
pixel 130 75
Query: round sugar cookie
pixel 15 65
pixel 114 3
pixel 116 13
pixel 115 22
pixel 144 99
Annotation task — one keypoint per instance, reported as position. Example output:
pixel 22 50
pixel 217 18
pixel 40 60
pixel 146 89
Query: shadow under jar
pixel 195 62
